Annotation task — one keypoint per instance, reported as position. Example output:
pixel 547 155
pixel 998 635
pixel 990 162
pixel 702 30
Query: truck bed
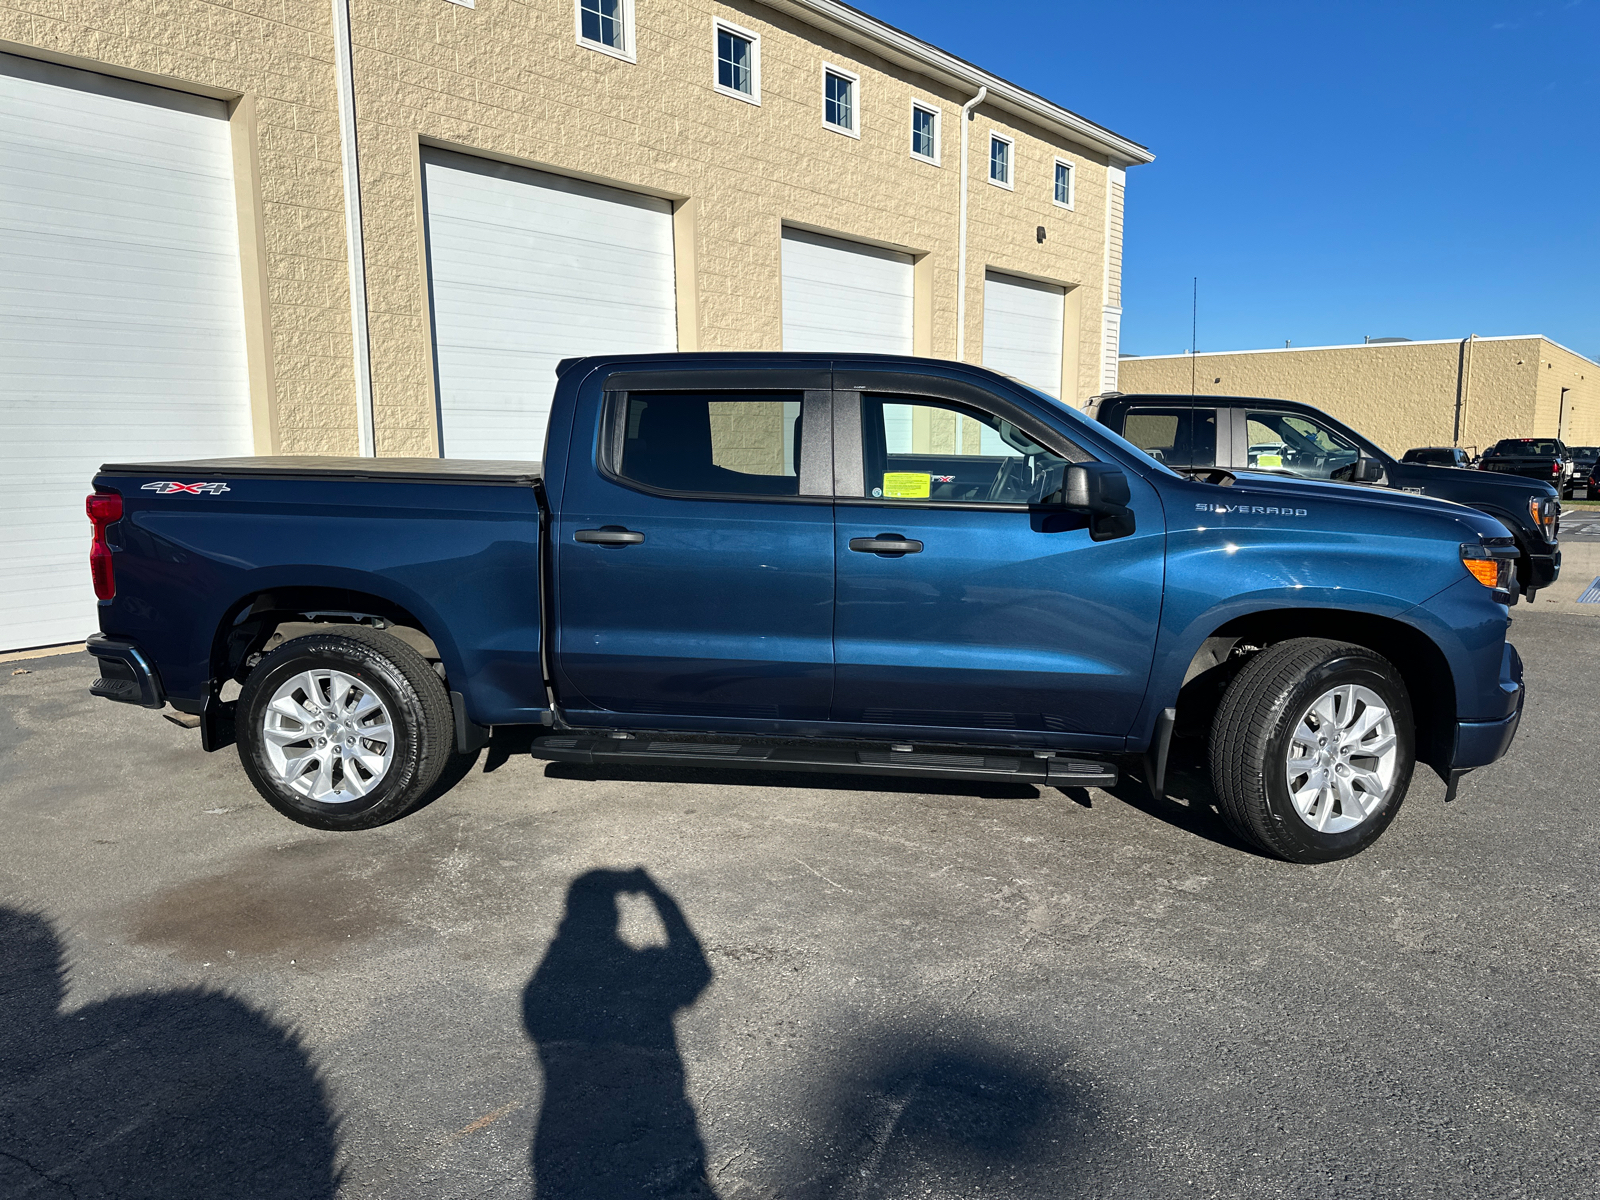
pixel 512 472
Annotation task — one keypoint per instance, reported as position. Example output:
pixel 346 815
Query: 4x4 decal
pixel 194 489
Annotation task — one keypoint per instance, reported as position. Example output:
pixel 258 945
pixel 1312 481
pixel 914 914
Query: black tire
pixel 1251 738
pixel 400 678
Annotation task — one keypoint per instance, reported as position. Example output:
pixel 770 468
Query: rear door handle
pixel 609 535
pixel 886 543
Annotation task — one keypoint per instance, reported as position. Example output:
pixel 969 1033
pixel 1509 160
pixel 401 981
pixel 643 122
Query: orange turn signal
pixel 1485 570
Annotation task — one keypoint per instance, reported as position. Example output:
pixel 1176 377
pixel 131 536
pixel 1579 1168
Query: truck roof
pixel 519 472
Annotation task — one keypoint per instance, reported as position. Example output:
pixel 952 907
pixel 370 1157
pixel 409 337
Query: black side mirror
pixel 1363 470
pixel 1100 490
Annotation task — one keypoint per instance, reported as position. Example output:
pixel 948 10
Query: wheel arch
pixel 1423 666
pixel 248 624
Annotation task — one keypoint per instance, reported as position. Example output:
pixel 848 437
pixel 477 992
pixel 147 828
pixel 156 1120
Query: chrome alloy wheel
pixel 1342 759
pixel 328 736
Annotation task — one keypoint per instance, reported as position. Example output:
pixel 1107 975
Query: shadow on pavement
pixel 918 1112
pixel 178 1094
pixel 1189 803
pixel 615 1122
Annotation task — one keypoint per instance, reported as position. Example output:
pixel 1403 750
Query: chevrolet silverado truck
pixel 1286 437
pixel 874 565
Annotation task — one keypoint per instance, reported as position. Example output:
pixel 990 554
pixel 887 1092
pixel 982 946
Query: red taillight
pixel 103 508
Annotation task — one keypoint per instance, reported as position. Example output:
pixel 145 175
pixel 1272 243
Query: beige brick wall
pixel 1561 368
pixel 508 80
pixel 1402 395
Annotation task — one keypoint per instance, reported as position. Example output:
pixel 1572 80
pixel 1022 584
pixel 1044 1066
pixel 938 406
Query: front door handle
pixel 609 535
pixel 886 543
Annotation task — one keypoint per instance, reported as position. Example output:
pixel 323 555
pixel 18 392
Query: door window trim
pixel 816 428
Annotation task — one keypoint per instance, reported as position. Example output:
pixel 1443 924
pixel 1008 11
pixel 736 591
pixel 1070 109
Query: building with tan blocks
pixel 374 226
pixel 1467 392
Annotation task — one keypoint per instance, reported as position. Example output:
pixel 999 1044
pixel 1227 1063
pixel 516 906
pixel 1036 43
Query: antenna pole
pixel 1194 331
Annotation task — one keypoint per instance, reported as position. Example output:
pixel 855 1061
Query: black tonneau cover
pixel 513 472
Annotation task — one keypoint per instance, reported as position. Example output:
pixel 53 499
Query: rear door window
pixel 711 444
pixel 1179 437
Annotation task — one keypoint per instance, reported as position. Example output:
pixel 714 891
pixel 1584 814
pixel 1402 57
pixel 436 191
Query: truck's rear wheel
pixel 1312 749
pixel 344 730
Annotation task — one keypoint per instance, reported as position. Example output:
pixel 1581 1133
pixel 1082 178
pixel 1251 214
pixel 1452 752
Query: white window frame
pixel 749 35
pixel 1010 182
pixel 1072 184
pixel 628 51
pixel 938 130
pixel 855 100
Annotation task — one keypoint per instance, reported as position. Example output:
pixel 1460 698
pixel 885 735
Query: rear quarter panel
pixel 462 558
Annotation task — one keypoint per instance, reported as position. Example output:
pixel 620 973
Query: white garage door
pixel 1022 330
pixel 527 269
pixel 121 315
pixel 844 298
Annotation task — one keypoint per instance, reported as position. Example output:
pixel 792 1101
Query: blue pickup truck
pixel 877 565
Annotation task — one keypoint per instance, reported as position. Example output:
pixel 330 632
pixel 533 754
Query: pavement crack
pixel 40 1172
pixel 820 875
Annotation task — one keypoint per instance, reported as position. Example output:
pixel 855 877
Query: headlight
pixel 1545 512
pixel 1492 567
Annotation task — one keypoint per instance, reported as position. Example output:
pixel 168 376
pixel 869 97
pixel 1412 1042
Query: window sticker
pixel 906 485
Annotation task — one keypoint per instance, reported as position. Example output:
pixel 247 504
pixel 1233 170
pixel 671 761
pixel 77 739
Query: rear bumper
pixel 1479 743
pixel 126 676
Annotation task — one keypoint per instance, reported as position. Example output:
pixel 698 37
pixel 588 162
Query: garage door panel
pixel 121 315
pixel 1022 330
pixel 844 297
pixel 526 269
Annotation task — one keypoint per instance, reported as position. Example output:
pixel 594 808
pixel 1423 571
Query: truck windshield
pixel 1524 446
pixel 1100 431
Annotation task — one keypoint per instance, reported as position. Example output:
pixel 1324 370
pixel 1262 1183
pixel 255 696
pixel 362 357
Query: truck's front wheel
pixel 1312 749
pixel 344 730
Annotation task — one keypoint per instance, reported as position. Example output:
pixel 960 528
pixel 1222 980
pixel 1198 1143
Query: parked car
pixel 1438 456
pixel 1583 463
pixel 879 565
pixel 1191 433
pixel 1594 482
pixel 1547 459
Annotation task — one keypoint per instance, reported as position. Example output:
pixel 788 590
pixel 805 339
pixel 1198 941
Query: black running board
pixel 1055 771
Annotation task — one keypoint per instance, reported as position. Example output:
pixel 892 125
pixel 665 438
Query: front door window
pixel 932 450
pixel 1293 444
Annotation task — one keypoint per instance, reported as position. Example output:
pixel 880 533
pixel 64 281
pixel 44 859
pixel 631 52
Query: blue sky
pixel 1329 170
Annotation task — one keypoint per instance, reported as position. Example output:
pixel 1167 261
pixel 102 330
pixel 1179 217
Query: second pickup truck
pixel 868 565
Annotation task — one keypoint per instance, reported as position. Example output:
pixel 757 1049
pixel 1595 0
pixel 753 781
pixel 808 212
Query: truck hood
pixel 1286 488
pixel 1508 487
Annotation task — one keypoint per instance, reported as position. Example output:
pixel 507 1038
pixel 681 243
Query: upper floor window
pixel 738 62
pixel 1000 148
pixel 925 132
pixel 1064 184
pixel 607 25
pixel 839 102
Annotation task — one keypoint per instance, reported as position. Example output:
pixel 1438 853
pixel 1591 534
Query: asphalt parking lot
pixel 819 989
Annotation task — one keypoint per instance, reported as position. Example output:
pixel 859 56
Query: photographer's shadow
pixel 615 1121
